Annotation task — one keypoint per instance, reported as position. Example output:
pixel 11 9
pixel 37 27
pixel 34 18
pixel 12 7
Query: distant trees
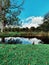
pixel 32 29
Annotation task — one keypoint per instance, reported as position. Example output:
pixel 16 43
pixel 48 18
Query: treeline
pixel 32 29
pixel 19 29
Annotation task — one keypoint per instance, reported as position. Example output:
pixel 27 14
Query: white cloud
pixel 32 21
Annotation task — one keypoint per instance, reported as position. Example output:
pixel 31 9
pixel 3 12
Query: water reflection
pixel 0 40
pixel 18 40
pixel 36 41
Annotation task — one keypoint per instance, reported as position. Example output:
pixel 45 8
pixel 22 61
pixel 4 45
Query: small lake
pixel 21 40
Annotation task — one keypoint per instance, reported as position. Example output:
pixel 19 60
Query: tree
pixel 7 10
pixel 4 5
pixel 32 29
pixel 45 25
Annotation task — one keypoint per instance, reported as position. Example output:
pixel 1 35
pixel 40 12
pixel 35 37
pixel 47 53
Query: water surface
pixel 21 40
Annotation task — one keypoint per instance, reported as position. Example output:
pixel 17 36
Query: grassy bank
pixel 24 54
pixel 7 34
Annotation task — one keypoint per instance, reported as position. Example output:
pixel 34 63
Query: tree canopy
pixel 10 10
pixel 45 25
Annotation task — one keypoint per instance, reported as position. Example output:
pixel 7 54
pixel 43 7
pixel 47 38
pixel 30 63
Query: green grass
pixel 7 34
pixel 24 54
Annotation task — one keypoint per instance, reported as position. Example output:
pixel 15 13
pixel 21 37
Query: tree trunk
pixel 2 21
pixel 3 39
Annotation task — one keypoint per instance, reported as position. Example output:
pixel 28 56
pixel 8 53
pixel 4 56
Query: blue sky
pixel 35 8
pixel 33 12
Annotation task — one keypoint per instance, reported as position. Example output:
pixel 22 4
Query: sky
pixel 33 12
pixel 35 8
pixel 32 22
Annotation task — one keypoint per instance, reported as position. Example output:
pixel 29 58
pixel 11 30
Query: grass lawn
pixel 24 54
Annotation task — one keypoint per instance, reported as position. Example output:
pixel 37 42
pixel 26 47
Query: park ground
pixel 19 54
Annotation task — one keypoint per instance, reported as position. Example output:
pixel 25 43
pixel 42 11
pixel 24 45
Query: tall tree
pixel 4 5
pixel 12 8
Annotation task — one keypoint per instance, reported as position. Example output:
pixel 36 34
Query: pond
pixel 21 40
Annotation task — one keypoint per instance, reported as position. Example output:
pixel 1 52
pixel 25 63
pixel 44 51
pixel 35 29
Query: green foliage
pixel 45 25
pixel 23 34
pixel 24 54
pixel 13 15
pixel 6 7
